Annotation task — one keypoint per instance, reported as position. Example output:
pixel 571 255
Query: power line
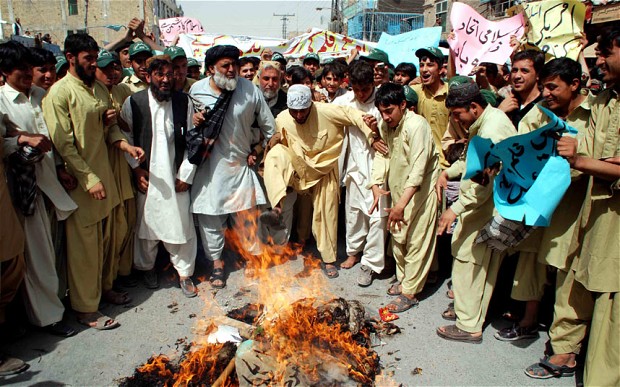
pixel 284 18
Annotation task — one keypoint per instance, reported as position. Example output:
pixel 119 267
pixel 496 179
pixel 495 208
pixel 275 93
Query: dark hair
pixel 432 59
pixel 454 152
pixel 157 64
pixel 464 95
pixel 505 69
pixel 389 94
pixel 607 40
pixel 335 68
pixel 76 43
pixel 537 58
pixel 565 68
pixel 249 59
pixel 490 68
pixel 122 47
pixel 407 68
pixel 298 74
pixel 13 55
pixel 41 56
pixel 361 73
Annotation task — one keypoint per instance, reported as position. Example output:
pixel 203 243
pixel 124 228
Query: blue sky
pixel 255 18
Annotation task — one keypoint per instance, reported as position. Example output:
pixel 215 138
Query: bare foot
pixel 351 261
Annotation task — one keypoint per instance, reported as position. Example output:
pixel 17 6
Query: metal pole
pixel 284 19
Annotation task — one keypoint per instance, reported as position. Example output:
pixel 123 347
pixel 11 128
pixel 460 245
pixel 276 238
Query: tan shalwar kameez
pixel 12 242
pixel 307 160
pixel 126 211
pixel 550 245
pixel 475 267
pixel 73 112
pixel 433 108
pixel 597 265
pixel 413 161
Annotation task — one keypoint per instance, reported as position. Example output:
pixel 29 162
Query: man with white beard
pixel 158 118
pixel 269 81
pixel 225 186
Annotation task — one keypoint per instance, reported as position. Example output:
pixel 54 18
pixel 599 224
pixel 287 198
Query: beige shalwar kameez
pixel 73 112
pixel 413 161
pixel 307 160
pixel 475 267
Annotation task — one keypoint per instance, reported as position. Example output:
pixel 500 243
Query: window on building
pixel 441 14
pixel 73 7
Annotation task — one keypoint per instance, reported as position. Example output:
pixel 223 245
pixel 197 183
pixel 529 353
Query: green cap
pixel 411 95
pixel 459 80
pixel 277 57
pixel 61 61
pixel 430 51
pixel 377 55
pixel 137 48
pixel 105 58
pixel 191 62
pixel 312 55
pixel 175 52
pixel 489 96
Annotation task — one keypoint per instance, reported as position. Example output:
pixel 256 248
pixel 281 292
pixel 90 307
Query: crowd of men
pixel 107 153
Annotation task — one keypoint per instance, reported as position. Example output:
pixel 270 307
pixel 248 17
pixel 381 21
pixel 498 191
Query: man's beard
pixel 269 94
pixel 160 95
pixel 88 79
pixel 224 82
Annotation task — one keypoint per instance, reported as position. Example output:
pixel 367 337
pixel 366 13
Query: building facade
pixel 367 19
pixel 60 18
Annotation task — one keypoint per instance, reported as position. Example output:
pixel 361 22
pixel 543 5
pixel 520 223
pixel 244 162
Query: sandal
pixel 330 270
pixel 217 279
pixel 547 370
pixel 454 333
pixel 402 303
pixel 395 290
pixel 98 321
pixel 449 314
pixel 116 298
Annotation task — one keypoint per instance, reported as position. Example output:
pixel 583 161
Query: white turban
pixel 299 97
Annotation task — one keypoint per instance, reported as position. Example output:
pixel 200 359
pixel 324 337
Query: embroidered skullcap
pixel 299 97
pixel 216 53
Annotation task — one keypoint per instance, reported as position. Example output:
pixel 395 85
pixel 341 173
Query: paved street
pixel 155 320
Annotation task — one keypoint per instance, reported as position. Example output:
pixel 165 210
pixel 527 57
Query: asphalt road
pixel 156 320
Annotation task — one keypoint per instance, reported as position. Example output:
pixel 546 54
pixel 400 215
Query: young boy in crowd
pixel 409 173
pixel 404 73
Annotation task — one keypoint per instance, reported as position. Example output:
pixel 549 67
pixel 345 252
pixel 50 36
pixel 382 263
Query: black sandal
pixel 547 370
pixel 218 275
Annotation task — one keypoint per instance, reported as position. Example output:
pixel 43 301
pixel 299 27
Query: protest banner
pixel 324 43
pixel 401 48
pixel 533 178
pixel 555 26
pixel 170 28
pixel 479 40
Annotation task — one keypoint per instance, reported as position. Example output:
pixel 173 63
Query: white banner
pixel 324 43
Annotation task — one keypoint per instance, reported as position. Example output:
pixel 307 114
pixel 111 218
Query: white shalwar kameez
pixel 365 233
pixel 41 281
pixel 225 185
pixel 163 214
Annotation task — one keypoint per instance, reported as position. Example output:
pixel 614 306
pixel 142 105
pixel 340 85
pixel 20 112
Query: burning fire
pixel 293 331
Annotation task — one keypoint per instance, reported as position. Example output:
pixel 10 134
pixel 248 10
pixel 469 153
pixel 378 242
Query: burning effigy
pixel 297 334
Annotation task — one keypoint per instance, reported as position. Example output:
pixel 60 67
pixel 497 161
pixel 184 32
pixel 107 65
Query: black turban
pixel 216 53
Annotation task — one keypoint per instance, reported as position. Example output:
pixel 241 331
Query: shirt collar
pixel 473 129
pixel 443 90
pixel 13 94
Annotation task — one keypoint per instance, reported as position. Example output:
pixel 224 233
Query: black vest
pixel 143 127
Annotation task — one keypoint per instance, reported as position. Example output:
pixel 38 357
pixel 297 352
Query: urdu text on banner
pixel 555 26
pixel 479 40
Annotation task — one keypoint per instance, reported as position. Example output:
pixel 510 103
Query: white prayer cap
pixel 299 97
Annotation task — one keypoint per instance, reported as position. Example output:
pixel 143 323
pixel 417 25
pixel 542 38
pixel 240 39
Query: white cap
pixel 299 97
